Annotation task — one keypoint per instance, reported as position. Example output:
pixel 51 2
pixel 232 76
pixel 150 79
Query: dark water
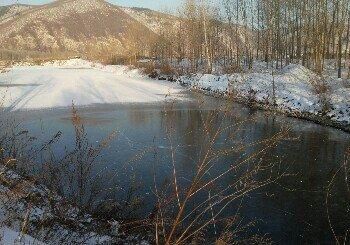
pixel 292 210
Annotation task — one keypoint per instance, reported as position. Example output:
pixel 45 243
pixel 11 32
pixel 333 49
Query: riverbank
pixel 309 144
pixel 30 213
pixel 294 91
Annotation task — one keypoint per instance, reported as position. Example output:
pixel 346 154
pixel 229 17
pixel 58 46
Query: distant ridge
pixel 93 28
pixel 75 25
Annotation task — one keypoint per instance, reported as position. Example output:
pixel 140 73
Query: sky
pixel 152 4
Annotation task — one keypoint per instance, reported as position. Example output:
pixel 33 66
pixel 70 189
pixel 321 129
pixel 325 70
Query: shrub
pixel 231 69
pixel 148 68
pixel 115 60
pixel 166 69
pixel 322 90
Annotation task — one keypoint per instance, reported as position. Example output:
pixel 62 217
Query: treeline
pixel 235 33
pixel 13 56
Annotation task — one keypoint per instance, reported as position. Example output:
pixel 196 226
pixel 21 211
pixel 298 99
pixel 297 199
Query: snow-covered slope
pixel 59 84
pixel 294 91
pixel 50 218
pixel 11 237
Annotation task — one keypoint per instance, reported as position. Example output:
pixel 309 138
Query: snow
pixel 58 83
pixel 9 236
pixel 294 91
pixel 78 227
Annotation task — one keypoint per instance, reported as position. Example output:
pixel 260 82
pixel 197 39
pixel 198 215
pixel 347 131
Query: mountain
pixel 153 20
pixel 92 28
pixel 73 25
pixel 11 11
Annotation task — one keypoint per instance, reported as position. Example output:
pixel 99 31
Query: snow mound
pixel 211 82
pixel 298 71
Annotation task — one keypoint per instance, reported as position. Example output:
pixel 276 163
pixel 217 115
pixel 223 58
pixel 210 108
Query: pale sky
pixel 152 4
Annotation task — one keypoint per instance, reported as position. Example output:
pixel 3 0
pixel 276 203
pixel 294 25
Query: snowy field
pixel 58 84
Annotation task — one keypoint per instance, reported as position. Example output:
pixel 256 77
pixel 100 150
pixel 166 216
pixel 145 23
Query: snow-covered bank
pixel 292 91
pixel 57 84
pixel 9 236
pixel 29 209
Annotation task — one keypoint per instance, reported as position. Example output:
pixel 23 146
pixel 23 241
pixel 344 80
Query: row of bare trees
pixel 234 33
pixel 303 31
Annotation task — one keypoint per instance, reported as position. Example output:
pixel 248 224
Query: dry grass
pixel 148 68
pixel 17 152
pixel 166 69
pixel 320 86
